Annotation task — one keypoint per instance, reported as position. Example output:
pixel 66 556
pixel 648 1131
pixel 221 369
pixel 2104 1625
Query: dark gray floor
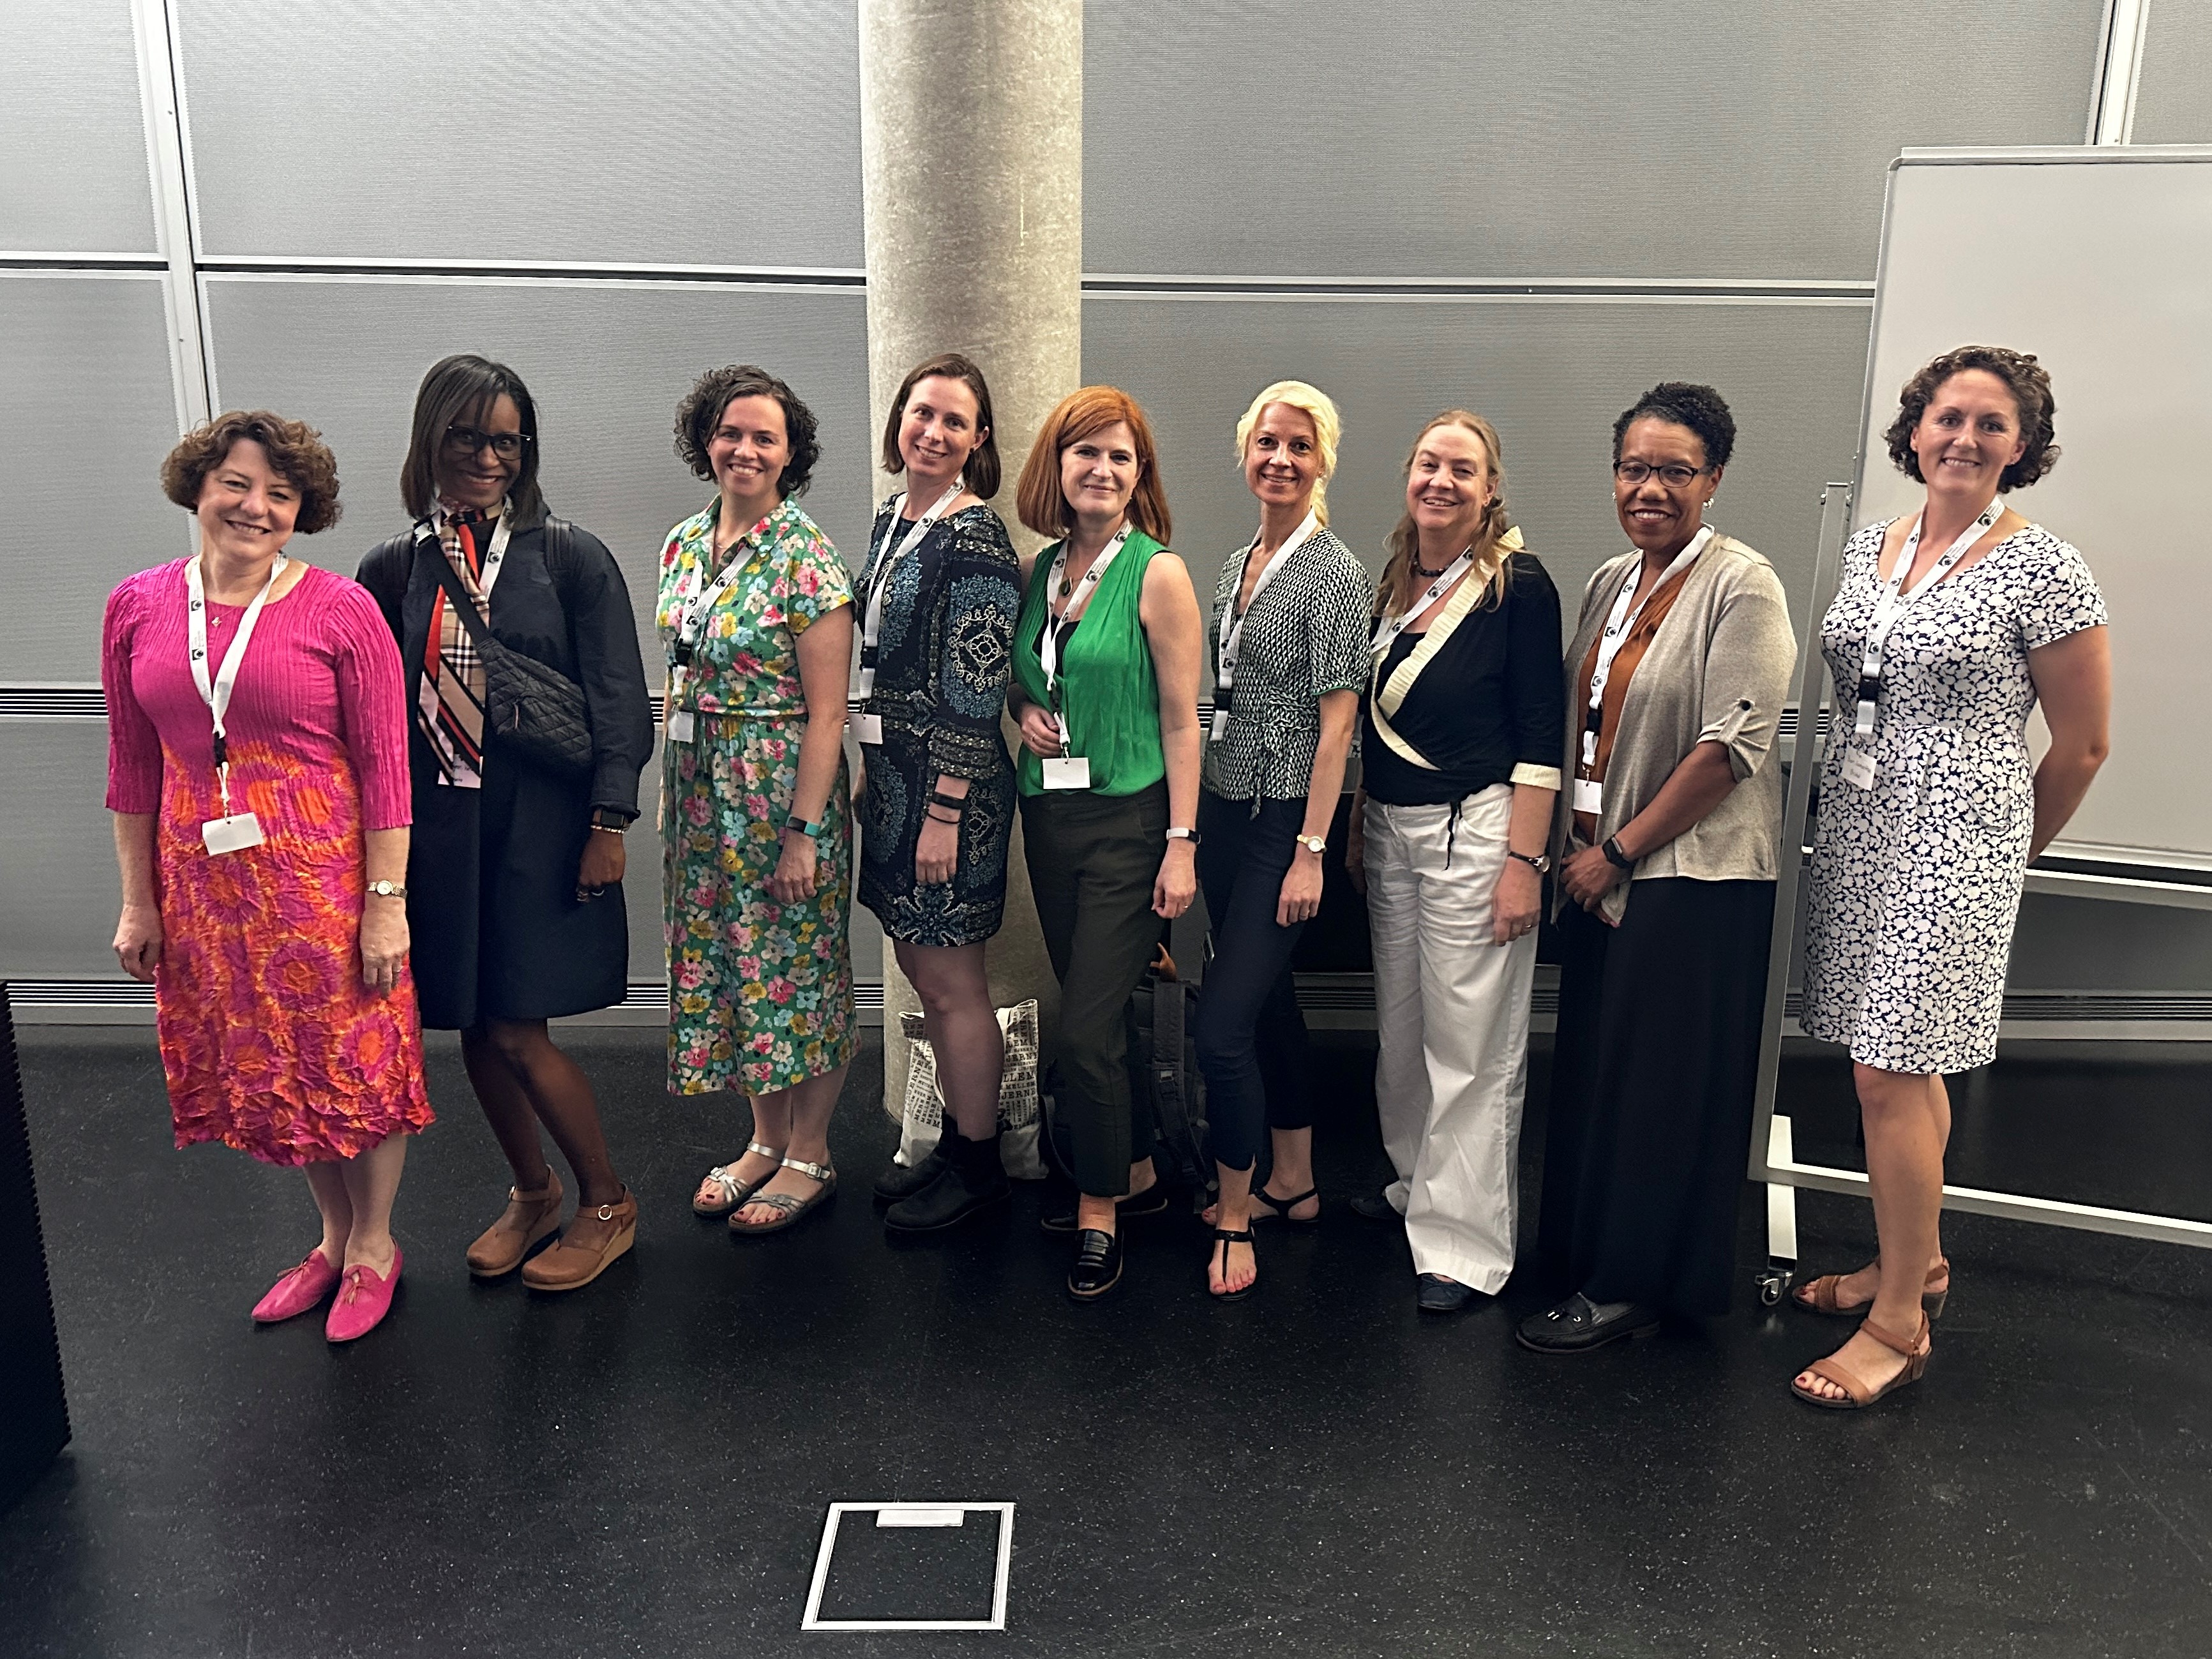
pixel 644 1467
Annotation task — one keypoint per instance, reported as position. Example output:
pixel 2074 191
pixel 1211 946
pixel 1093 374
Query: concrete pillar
pixel 971 154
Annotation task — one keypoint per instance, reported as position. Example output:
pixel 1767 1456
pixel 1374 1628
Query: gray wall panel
pixel 58 893
pixel 74 178
pixel 88 415
pixel 2173 94
pixel 1642 138
pixel 654 132
pixel 1552 376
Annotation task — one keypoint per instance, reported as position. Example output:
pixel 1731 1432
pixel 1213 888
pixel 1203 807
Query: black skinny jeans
pixel 1252 1047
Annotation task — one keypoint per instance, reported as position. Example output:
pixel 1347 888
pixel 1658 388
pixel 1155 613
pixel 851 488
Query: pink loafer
pixel 364 1298
pixel 300 1291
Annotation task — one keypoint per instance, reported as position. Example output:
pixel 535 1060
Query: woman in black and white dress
pixel 1949 625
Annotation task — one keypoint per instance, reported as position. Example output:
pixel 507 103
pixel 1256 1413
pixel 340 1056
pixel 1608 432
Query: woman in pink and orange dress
pixel 257 773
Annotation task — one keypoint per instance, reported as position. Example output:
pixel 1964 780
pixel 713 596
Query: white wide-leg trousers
pixel 1452 1014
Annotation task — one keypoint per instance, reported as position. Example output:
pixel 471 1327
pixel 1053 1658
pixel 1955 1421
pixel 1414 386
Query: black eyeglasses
pixel 463 441
pixel 1675 474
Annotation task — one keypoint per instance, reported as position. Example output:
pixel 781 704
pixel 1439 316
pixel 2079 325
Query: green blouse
pixel 1107 691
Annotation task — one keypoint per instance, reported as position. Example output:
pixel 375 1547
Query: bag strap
pixel 464 606
pixel 1169 1089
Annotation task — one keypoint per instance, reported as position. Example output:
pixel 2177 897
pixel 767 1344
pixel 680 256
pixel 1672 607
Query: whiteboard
pixel 2099 260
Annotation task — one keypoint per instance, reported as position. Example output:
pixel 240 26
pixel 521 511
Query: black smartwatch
pixel 1615 856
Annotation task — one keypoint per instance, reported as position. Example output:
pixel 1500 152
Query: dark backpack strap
pixel 1170 1087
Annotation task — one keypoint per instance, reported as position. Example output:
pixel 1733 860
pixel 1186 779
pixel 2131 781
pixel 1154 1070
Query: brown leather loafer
pixel 594 1240
pixel 499 1249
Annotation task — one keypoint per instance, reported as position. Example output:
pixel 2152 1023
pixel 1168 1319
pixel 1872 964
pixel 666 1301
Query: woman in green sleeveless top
pixel 1106 666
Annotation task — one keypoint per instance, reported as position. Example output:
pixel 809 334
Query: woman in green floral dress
pixel 755 610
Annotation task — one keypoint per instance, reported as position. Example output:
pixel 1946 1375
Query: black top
pixel 1492 699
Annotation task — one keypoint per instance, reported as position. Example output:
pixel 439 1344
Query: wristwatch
pixel 1315 844
pixel 387 889
pixel 1540 863
pixel 794 823
pixel 1179 834
pixel 1615 856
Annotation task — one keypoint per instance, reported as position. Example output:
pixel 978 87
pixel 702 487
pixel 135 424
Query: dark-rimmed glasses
pixel 464 442
pixel 1675 475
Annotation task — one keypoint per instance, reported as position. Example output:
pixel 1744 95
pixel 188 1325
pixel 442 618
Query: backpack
pixel 1162 1070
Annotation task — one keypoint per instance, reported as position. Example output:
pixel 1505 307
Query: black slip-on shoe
pixel 1097 1266
pixel 1435 1294
pixel 1373 1206
pixel 1153 1201
pixel 1578 1324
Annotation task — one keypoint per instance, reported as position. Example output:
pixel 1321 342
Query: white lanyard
pixel 1619 626
pixel 495 557
pixel 1048 642
pixel 872 621
pixel 1894 602
pixel 1224 660
pixel 1387 628
pixel 693 607
pixel 215 693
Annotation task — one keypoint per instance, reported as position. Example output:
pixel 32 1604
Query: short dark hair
pixel 2027 381
pixel 295 450
pixel 461 390
pixel 1684 403
pixel 982 471
pixel 701 412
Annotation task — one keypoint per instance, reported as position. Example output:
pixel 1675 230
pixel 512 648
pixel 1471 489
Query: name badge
pixel 1858 769
pixel 1067 772
pixel 868 729
pixel 232 834
pixel 682 727
pixel 1590 796
pixel 1219 729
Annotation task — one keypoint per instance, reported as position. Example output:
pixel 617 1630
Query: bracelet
pixel 950 803
pixel 611 829
pixel 933 818
pixel 1615 856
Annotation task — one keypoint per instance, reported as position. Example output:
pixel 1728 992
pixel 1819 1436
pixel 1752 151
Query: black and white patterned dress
pixel 944 653
pixel 1916 883
pixel 1305 636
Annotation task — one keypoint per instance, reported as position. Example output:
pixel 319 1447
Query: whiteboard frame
pixel 1771 1161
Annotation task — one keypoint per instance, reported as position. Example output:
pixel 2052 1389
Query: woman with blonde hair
pixel 1464 716
pixel 1289 655
pixel 1106 655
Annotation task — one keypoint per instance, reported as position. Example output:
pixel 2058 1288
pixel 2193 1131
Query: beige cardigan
pixel 1717 672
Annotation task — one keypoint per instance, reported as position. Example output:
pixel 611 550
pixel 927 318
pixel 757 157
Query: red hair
pixel 1082 414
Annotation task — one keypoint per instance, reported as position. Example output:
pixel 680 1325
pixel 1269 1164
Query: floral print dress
pixel 760 995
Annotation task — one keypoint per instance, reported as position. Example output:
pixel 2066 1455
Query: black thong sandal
pixel 1278 1209
pixel 1223 1237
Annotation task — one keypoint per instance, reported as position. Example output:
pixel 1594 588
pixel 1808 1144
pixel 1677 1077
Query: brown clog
pixel 592 1242
pixel 499 1249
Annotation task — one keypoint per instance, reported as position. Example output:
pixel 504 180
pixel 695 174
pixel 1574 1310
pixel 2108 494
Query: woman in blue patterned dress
pixel 755 610
pixel 1948 626
pixel 939 601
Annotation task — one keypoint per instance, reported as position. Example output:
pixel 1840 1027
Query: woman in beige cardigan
pixel 1666 845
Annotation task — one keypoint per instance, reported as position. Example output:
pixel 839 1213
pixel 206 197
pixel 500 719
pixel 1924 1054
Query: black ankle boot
pixel 971 1181
pixel 905 1180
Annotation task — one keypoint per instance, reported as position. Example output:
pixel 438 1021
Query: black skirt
pixel 1653 1074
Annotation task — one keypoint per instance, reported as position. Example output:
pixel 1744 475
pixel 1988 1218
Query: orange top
pixel 1616 688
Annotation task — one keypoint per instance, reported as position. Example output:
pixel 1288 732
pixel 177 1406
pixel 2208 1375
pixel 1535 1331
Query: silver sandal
pixel 735 1192
pixel 790 1211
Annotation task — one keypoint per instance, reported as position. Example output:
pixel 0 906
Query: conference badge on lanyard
pixel 1858 767
pixel 867 726
pixel 1065 771
pixel 1231 638
pixel 233 832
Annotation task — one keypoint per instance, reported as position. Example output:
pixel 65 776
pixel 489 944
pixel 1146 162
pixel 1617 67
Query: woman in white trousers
pixel 1464 719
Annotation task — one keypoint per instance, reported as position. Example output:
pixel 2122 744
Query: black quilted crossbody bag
pixel 533 709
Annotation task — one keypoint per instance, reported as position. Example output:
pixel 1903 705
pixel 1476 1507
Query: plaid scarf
pixel 449 707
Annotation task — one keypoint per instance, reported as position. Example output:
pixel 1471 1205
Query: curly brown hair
pixel 701 412
pixel 295 450
pixel 2027 381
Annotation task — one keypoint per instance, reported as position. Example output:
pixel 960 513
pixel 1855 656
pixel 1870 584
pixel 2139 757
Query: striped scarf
pixel 449 707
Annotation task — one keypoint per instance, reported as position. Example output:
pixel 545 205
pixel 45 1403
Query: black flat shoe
pixel 1435 1294
pixel 1153 1201
pixel 1223 1238
pixel 969 1181
pixel 905 1180
pixel 1097 1266
pixel 1578 1324
pixel 1373 1206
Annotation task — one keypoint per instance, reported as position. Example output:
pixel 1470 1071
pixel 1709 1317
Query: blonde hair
pixel 1404 542
pixel 1328 426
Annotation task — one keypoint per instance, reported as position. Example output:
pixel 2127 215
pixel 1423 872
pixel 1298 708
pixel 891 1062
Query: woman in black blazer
pixel 515 880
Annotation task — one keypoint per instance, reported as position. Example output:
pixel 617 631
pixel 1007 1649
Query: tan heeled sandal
pixel 1819 1296
pixel 1858 1393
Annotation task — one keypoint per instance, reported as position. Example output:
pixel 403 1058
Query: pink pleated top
pixel 321 678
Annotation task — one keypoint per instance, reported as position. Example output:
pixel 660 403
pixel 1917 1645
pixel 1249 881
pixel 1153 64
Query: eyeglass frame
pixel 1646 470
pixel 461 442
